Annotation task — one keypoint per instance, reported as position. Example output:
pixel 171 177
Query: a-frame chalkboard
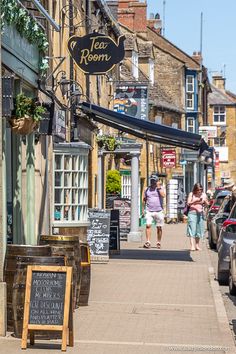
pixel 47 302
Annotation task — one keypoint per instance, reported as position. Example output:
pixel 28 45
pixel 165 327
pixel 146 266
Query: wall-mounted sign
pixel 96 53
pixel 132 100
pixel 209 131
pixel 59 122
pixel 168 157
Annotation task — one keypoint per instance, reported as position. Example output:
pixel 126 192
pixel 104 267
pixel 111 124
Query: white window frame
pixel 217 112
pixel 126 186
pixel 151 71
pixel 135 64
pixel 190 87
pixel 70 191
pixel 193 125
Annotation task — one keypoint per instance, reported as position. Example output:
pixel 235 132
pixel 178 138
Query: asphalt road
pixel 229 300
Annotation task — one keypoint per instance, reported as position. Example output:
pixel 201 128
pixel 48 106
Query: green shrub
pixel 113 182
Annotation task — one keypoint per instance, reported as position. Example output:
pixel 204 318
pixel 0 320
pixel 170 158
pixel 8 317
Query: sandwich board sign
pixel 47 302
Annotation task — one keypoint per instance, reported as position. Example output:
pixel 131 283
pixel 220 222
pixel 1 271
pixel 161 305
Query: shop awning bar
pixel 143 129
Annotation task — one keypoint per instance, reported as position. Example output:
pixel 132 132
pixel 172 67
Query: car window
pixel 225 207
pixel 217 191
pixel 233 212
pixel 219 201
pixel 231 228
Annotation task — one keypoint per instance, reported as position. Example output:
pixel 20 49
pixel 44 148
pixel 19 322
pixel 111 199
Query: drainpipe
pixel 88 30
pixel 71 33
pixel 3 303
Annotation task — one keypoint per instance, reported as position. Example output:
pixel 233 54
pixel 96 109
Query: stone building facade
pixel 222 121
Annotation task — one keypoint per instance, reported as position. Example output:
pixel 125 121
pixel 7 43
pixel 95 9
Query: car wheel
pixel 211 243
pixel 222 277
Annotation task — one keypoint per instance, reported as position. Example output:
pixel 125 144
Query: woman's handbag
pixel 186 210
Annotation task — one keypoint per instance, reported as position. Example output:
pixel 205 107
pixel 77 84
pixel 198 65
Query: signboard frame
pixel 168 157
pixel 67 326
pixel 98 234
pixel 132 100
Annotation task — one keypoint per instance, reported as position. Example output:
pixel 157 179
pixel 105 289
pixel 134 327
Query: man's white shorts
pixel 157 216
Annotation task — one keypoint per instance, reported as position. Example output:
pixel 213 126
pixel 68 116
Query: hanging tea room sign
pixel 96 53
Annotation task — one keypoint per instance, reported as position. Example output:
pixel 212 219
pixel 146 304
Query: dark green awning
pixel 142 128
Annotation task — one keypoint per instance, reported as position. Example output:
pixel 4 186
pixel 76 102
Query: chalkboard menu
pixel 124 206
pixel 47 302
pixel 114 243
pixel 98 234
pixel 47 298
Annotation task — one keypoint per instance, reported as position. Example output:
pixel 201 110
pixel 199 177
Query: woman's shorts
pixel 156 216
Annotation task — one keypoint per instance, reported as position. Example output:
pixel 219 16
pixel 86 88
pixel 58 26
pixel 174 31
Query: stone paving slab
pixel 149 301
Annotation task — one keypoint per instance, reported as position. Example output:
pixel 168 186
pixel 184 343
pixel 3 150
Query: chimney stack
pixel 155 23
pixel 133 14
pixel 219 81
pixel 197 56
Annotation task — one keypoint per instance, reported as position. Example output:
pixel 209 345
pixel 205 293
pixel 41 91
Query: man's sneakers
pixel 158 245
pixel 147 245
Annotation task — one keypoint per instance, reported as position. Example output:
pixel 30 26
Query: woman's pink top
pixel 198 207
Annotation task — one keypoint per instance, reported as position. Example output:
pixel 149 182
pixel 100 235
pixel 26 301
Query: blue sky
pixel 182 27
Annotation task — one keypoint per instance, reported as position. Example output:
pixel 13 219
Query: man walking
pixel 153 203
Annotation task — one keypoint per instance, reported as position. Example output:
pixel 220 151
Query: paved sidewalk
pixel 149 301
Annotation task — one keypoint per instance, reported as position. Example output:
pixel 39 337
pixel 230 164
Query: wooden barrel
pixel 18 292
pixel 83 295
pixel 64 245
pixel 12 252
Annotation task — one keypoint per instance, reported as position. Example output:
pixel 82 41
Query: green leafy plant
pixel 28 107
pixel 113 182
pixel 13 14
pixel 107 142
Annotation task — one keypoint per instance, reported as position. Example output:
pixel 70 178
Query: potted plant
pixel 107 142
pixel 113 182
pixel 27 114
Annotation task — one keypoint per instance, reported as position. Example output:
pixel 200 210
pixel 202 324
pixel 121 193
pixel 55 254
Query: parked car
pixel 216 192
pixel 226 238
pixel 213 210
pixel 217 221
pixel 232 269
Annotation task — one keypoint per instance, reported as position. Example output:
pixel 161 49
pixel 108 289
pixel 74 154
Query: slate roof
pixel 220 97
pixel 169 47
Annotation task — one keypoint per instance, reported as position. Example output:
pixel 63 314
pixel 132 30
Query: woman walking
pixel 196 201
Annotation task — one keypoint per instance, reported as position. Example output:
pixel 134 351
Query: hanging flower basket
pixel 23 126
pixel 26 115
pixel 107 142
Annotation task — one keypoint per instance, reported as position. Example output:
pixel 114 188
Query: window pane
pixel 57 213
pixel 74 163
pixel 222 118
pixel 74 196
pixel 58 179
pixel 222 109
pixel 74 179
pixel 67 196
pixel 66 213
pixel 74 213
pixel 67 182
pixel 66 162
pixel 58 194
pixel 58 162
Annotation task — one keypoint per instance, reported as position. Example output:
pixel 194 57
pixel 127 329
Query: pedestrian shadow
pixel 157 255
